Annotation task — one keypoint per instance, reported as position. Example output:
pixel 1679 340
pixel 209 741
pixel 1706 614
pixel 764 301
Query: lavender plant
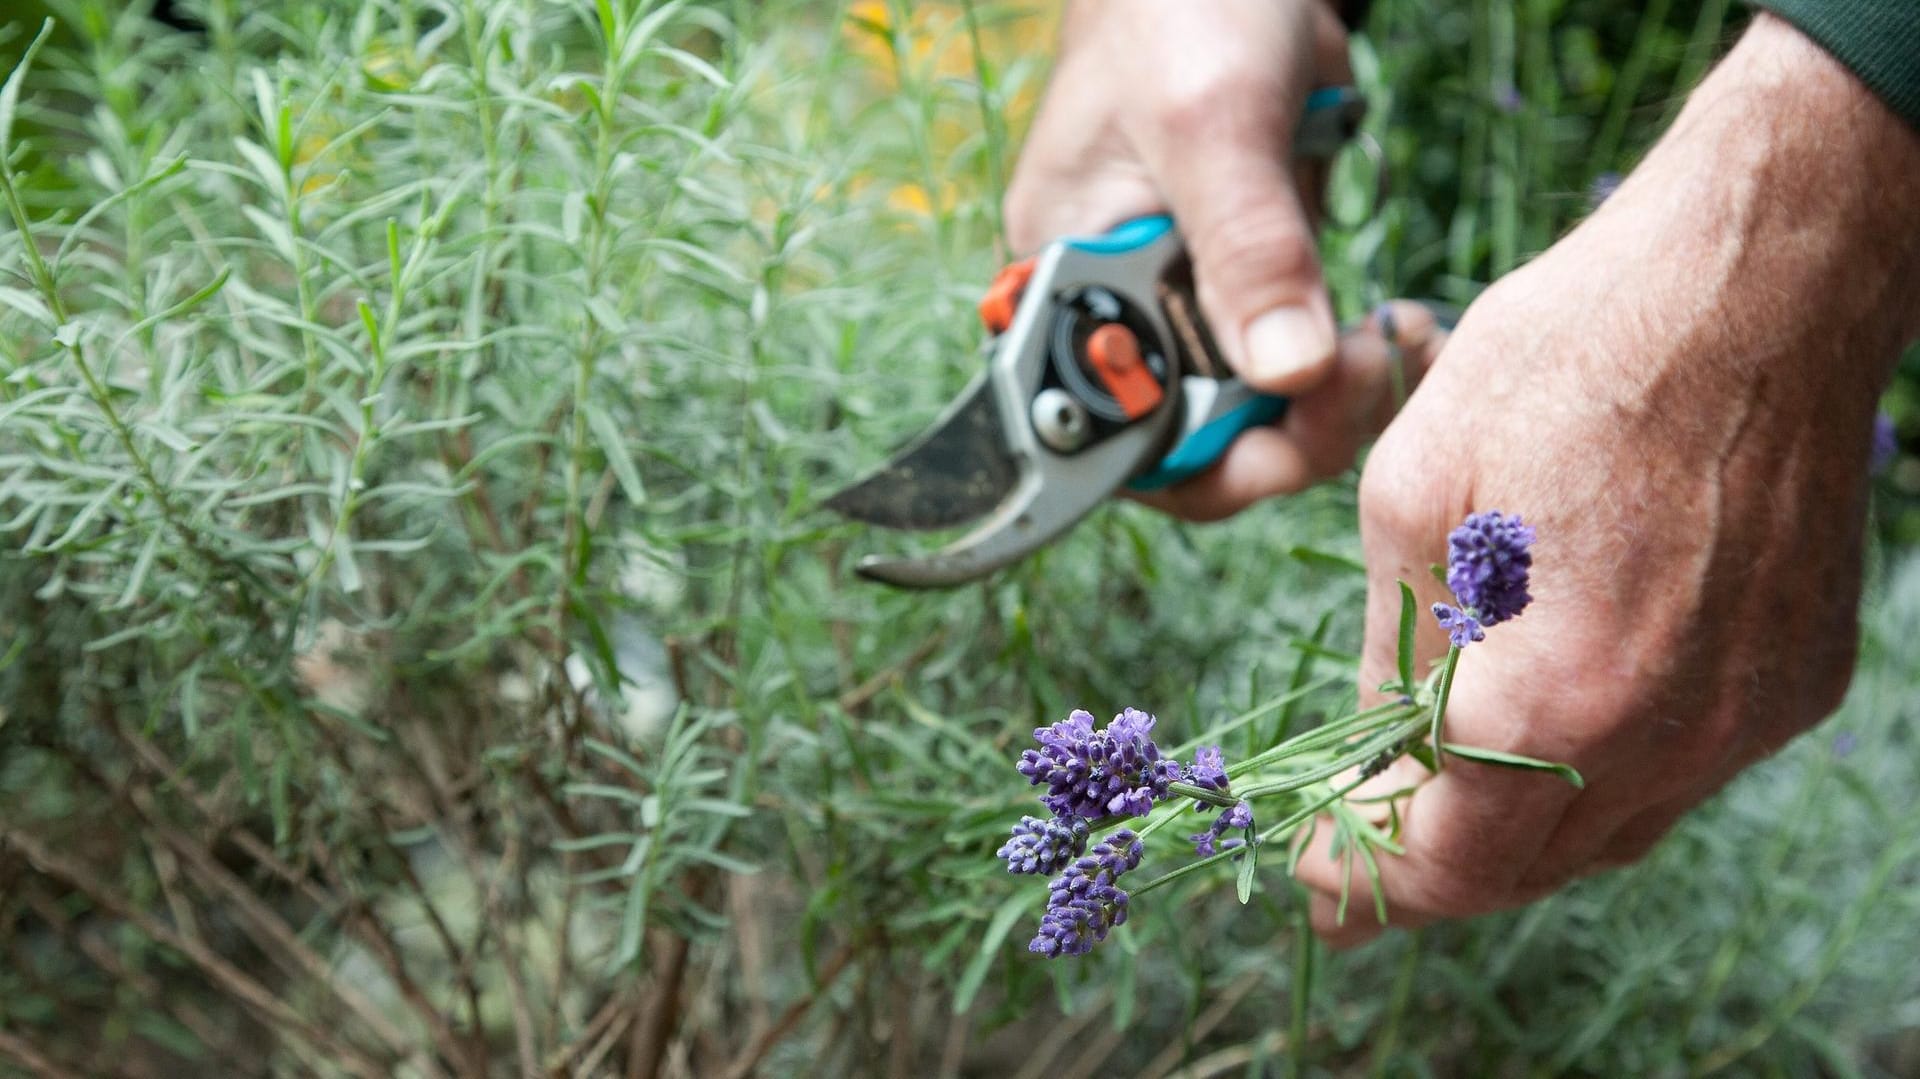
pixel 433 668
pixel 1097 777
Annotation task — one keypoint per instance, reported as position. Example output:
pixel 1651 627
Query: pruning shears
pixel 1101 373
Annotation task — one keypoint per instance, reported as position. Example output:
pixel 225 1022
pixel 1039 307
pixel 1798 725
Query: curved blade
pixel 955 473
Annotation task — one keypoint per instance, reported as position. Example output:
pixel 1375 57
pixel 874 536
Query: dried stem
pixel 230 979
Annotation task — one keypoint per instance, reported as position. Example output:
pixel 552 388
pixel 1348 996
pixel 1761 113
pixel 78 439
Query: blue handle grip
pixel 1199 450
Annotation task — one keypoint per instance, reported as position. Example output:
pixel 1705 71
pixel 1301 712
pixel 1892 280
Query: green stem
pixel 1202 794
pixel 1402 992
pixel 1440 703
pixel 1381 741
pixel 992 123
pixel 1302 989
pixel 1329 735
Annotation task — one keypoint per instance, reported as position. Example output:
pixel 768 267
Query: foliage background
pixel 422 655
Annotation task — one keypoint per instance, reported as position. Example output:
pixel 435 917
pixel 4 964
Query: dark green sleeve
pixel 1878 39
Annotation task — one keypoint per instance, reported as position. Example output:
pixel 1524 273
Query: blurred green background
pixel 421 654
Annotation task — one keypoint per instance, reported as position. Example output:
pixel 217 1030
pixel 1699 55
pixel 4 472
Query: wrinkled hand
pixel 1190 108
pixel 1679 397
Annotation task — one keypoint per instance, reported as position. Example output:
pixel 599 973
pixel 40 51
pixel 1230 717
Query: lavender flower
pixel 1488 558
pixel 1507 98
pixel 1044 846
pixel 1084 903
pixel 1886 443
pixel 1209 769
pixel 1602 188
pixel 1096 773
pixel 1207 843
pixel 1462 628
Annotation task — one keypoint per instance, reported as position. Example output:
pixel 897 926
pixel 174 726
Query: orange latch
pixel 1115 353
pixel 1003 296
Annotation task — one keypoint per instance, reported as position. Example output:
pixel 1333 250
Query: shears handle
pixel 1217 411
pixel 1134 258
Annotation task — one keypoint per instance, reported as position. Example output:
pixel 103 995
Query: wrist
pixel 1795 170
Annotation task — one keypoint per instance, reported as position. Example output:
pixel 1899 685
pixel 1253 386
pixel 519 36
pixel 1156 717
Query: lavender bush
pixel 419 654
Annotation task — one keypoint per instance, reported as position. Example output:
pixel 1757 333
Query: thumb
pixel 1405 510
pixel 1255 265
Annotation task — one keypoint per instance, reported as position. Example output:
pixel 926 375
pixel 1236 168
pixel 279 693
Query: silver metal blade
pixel 957 472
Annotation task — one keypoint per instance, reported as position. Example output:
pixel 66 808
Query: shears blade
pixel 954 474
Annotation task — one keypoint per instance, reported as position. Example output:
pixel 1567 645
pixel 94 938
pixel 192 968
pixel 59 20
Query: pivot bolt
pixel 1060 420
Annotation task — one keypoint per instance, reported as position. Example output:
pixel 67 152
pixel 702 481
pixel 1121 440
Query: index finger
pixel 1470 832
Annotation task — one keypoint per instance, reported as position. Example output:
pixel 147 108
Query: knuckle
pixel 1450 892
pixel 1021 212
pixel 1251 244
pixel 1397 497
pixel 1201 102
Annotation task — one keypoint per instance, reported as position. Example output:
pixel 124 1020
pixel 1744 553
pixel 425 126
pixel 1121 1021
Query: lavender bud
pixel 1084 903
pixel 1044 846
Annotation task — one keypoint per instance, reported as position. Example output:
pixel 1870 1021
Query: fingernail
pixel 1285 341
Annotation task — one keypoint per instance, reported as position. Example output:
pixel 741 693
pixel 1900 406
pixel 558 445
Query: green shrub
pixel 423 654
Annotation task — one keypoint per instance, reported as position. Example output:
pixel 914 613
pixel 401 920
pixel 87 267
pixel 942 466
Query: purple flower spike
pixel 1084 903
pixel 1488 558
pixel 1207 843
pixel 1044 846
pixel 1462 628
pixel 1098 773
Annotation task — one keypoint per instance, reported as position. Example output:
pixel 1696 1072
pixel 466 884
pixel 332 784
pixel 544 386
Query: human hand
pixel 1678 396
pixel 1191 108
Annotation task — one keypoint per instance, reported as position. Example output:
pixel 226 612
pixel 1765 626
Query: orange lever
pixel 1115 354
pixel 1003 296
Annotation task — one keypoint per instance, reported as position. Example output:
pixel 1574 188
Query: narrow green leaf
pixel 1244 885
pixel 607 790
pixel 1514 760
pixel 1408 606
pixel 596 842
pixel 10 91
pixel 274 229
pixel 1321 651
pixel 279 800
pixel 142 565
pixel 372 324
pixel 190 700
pixel 614 444
pixel 617 755
pixel 726 863
pixel 283 136
pixel 1326 560
pixel 633 917
pixel 982 961
pixel 264 166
